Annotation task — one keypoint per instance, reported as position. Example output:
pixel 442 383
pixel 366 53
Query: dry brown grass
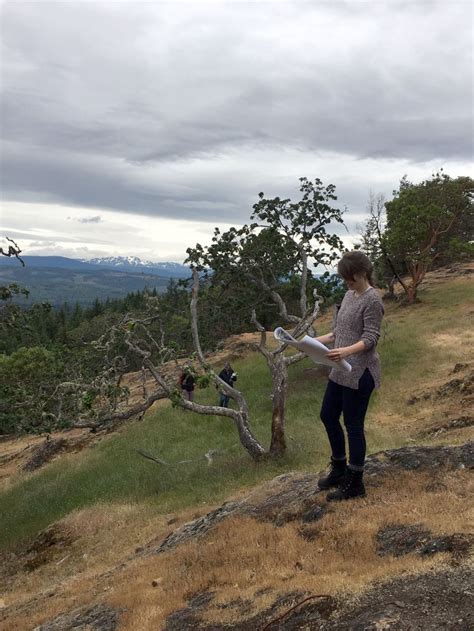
pixel 428 370
pixel 239 557
pixel 242 556
pixel 15 451
pixel 102 538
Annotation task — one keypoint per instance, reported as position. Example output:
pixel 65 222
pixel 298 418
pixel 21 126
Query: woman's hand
pixel 339 353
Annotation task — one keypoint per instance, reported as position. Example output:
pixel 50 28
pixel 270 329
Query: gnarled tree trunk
pixel 240 416
pixel 279 372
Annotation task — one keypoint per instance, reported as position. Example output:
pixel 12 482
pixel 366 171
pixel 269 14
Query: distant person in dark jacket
pixel 228 375
pixel 187 382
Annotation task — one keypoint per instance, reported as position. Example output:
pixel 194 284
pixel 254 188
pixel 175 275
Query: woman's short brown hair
pixel 356 262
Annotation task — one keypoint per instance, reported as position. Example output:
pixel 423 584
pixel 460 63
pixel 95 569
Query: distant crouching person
pixel 187 382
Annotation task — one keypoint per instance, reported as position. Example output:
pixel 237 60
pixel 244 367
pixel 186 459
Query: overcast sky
pixel 134 128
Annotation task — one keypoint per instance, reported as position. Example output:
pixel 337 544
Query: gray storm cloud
pixel 132 106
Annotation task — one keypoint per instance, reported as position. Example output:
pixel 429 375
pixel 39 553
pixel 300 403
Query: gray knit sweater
pixel 358 318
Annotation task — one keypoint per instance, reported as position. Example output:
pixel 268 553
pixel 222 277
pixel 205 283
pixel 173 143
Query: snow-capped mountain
pixel 136 265
pixel 118 260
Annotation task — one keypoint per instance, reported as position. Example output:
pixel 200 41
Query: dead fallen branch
pixel 209 456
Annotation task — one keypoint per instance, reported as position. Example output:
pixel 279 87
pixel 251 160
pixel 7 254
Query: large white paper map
pixel 314 349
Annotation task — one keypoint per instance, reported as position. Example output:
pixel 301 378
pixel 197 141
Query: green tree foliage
pixel 10 313
pixel 249 265
pixel 264 266
pixel 428 222
pixel 28 378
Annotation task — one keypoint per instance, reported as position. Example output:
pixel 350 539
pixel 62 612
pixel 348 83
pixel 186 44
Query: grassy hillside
pixel 418 346
pixel 82 530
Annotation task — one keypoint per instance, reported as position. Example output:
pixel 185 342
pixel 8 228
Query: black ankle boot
pixel 351 487
pixel 336 475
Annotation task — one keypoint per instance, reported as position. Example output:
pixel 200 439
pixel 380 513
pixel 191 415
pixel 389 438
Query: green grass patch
pixel 112 471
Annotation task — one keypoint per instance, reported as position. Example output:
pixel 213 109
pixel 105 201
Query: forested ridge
pixel 56 285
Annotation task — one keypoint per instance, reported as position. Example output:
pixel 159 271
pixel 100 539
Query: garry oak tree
pixel 424 221
pixel 283 242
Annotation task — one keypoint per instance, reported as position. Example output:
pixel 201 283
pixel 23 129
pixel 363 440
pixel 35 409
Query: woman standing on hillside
pixel 355 334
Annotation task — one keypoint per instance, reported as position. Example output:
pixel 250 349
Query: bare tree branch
pixel 262 346
pixel 293 359
pixel 13 250
pixel 118 417
pixel 209 456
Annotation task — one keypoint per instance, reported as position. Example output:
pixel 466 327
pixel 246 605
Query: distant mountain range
pixel 134 264
pixel 58 279
pixel 130 264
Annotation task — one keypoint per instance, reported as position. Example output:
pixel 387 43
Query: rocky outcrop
pixel 431 600
pixel 463 386
pixel 294 496
pixel 48 545
pixel 422 458
pixel 198 526
pixel 459 422
pixel 44 452
pixel 189 618
pixel 400 539
pixel 96 618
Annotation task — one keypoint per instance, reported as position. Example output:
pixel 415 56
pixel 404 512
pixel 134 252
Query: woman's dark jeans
pixel 353 404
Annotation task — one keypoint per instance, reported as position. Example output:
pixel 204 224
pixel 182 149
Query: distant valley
pixel 58 279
